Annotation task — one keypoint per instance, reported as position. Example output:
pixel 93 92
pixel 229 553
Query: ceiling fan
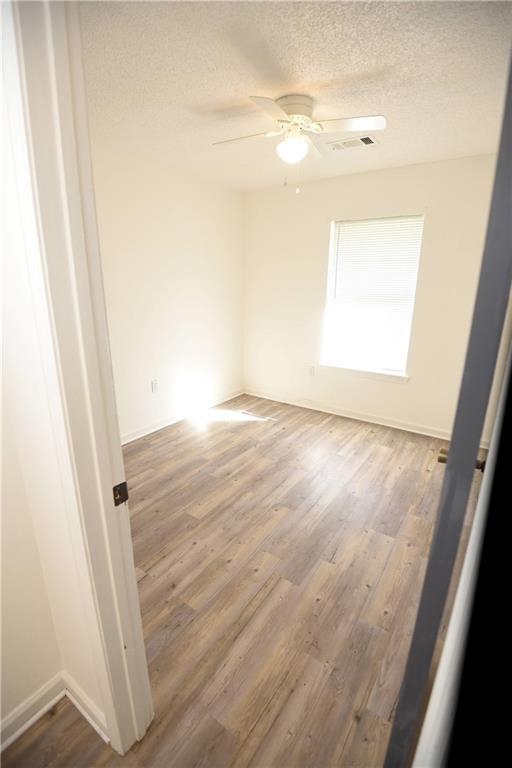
pixel 293 115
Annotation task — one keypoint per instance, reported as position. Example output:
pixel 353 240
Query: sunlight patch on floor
pixel 201 419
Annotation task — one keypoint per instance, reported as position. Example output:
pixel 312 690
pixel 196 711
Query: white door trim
pixel 51 79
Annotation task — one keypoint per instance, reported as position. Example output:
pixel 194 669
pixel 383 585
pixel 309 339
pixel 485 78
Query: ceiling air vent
pixel 360 141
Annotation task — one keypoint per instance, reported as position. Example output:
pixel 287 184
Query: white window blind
pixel 372 284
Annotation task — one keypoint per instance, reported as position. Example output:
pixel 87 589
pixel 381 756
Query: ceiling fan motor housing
pixel 298 108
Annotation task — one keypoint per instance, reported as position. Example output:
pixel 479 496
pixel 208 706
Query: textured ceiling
pixel 166 79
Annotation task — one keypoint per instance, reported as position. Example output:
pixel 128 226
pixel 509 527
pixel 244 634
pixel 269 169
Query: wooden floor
pixel 280 554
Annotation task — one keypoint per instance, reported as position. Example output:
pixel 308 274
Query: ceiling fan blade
pixel 270 107
pixel 358 124
pixel 278 132
pixel 239 138
pixel 319 148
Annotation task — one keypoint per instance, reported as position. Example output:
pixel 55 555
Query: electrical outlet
pixel 154 386
pixel 312 370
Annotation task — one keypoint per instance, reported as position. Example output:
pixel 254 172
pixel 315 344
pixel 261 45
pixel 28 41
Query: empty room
pixel 255 382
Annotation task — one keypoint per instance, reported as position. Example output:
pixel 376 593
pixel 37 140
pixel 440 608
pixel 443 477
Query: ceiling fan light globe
pixel 293 149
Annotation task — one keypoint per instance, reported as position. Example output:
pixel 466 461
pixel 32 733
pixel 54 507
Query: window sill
pixel 397 378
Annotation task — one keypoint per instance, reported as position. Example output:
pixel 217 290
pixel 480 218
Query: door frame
pixel 51 79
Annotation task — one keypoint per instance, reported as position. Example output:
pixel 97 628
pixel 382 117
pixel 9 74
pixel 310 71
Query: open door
pixel 486 333
pixel 47 41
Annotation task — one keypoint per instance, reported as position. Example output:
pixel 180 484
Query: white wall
pixel 30 653
pixel 286 257
pixel 172 270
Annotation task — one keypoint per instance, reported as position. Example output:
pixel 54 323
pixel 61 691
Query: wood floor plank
pixel 392 590
pixel 280 554
pixel 366 742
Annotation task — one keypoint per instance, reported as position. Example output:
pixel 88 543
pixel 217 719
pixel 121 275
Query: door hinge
pixel 120 493
pixel 443 459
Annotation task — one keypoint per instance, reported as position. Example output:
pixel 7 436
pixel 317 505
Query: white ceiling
pixel 167 79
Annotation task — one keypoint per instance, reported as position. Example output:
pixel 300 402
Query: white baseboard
pixel 30 710
pixel 130 436
pixel 85 706
pixel 314 405
pixel 42 700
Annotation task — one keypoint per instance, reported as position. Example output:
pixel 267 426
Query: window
pixel 373 270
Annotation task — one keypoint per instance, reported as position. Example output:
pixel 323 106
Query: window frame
pixel 332 277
